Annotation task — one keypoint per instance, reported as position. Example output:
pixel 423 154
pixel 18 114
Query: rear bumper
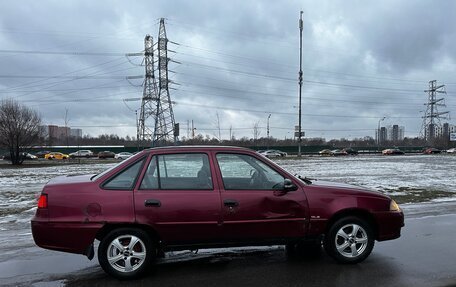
pixel 389 225
pixel 64 236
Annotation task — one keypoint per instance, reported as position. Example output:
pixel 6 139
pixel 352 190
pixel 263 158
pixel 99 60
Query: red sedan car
pixel 176 198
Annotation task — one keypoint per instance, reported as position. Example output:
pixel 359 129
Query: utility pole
pixel 378 132
pixel 66 119
pixel 268 130
pixel 431 118
pixel 193 131
pixel 300 83
pixel 188 129
pixel 137 130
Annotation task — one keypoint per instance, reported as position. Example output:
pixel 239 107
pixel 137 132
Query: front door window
pixel 241 171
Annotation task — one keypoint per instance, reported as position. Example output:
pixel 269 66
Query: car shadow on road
pixel 268 267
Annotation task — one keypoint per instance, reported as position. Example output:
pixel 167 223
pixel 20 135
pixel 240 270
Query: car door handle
pixel 230 202
pixel 152 202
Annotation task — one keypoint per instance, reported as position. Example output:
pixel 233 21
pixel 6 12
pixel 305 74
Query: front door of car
pixel 178 197
pixel 254 203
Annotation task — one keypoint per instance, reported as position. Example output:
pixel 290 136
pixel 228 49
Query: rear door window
pixel 178 171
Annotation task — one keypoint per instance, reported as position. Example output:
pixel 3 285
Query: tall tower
pixel 164 125
pixel 431 119
pixel 156 101
pixel 150 96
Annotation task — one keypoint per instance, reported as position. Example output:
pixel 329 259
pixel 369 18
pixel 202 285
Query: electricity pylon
pixel 431 119
pixel 156 101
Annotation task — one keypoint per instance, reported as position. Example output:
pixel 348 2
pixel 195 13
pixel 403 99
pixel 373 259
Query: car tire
pixel 126 253
pixel 349 240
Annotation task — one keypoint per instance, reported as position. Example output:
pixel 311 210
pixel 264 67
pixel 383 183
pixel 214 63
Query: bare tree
pixel 19 129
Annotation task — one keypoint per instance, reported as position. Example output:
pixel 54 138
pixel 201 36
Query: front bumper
pixel 389 224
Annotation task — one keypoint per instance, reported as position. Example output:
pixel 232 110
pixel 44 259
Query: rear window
pixel 126 178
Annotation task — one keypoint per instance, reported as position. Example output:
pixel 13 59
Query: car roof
pixel 201 148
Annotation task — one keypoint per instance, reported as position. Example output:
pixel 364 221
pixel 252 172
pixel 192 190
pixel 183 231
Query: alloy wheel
pixel 126 253
pixel 351 240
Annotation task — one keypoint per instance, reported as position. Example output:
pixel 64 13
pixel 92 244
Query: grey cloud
pixel 400 40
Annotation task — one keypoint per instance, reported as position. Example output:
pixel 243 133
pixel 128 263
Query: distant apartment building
pixel 77 133
pixel 64 132
pixel 60 133
pixel 392 133
pixel 53 131
pixel 395 133
pixel 444 131
pixel 383 135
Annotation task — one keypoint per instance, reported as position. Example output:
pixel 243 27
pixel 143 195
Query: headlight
pixel 394 206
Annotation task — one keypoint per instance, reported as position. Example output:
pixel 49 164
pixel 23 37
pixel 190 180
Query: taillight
pixel 43 201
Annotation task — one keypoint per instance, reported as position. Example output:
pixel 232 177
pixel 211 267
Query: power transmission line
pixel 75 53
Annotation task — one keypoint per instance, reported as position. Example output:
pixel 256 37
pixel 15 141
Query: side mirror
pixel 288 185
pixel 285 187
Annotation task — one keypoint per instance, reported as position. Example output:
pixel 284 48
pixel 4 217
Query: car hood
pixel 342 187
pixel 70 179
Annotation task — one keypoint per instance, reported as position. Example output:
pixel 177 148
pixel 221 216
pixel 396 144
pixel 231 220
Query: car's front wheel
pixel 125 253
pixel 349 240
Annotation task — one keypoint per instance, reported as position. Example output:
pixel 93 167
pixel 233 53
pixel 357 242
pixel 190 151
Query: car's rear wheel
pixel 125 253
pixel 349 240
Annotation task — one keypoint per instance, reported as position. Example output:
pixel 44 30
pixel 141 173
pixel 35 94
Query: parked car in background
pixel 337 152
pixel 270 153
pixel 349 151
pixel 325 152
pixel 81 153
pixel 431 151
pixel 281 153
pixel 392 151
pixel 56 155
pixel 451 150
pixel 106 154
pixel 42 153
pixel 123 155
pixel 22 155
pixel 177 198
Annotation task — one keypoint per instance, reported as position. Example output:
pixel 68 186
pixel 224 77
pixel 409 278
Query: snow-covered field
pixel 394 175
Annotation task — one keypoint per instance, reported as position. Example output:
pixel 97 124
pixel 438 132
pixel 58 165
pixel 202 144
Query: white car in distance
pixel 81 153
pixel 123 155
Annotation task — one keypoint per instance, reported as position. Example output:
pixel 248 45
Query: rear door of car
pixel 116 194
pixel 179 198
pixel 252 205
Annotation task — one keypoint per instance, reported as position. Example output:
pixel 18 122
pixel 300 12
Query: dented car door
pixel 254 204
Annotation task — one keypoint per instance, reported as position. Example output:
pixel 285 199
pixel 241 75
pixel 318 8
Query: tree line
pixel 20 129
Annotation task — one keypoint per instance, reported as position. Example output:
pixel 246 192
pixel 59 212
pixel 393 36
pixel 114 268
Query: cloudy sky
pixel 362 61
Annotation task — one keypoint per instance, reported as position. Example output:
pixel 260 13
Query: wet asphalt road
pixel 425 255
